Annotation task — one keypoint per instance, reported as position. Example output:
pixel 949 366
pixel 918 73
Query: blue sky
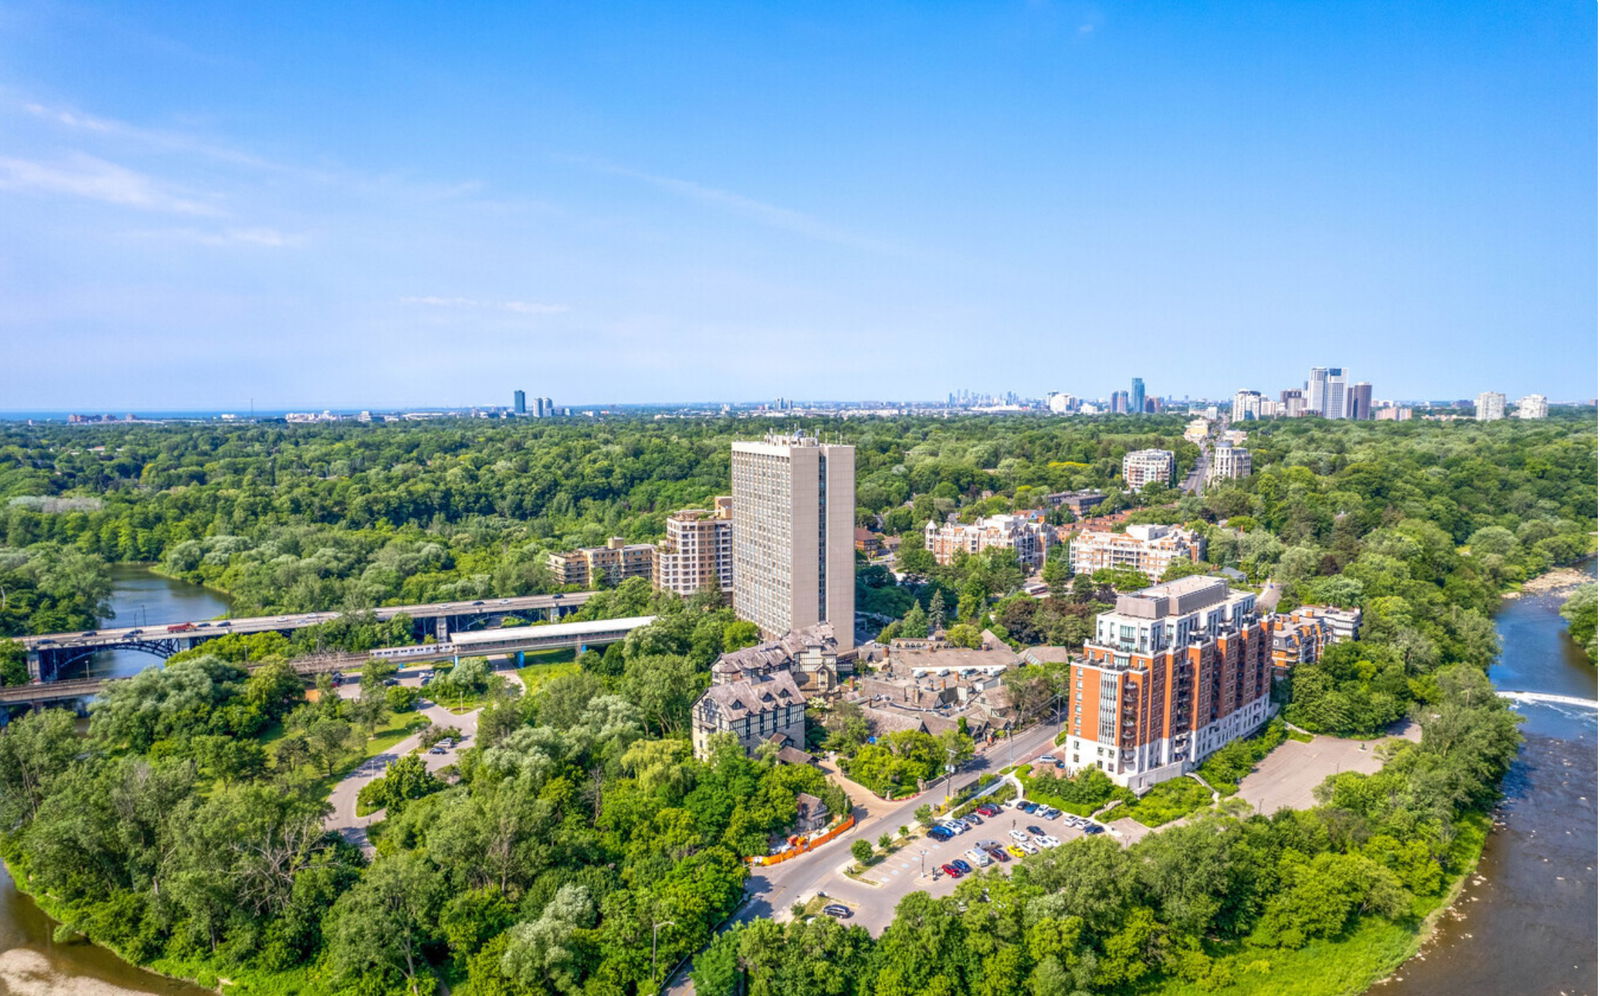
pixel 395 204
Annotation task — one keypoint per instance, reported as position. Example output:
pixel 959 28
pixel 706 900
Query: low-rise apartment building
pixel 1147 548
pixel 1145 467
pixel 697 554
pixel 1173 673
pixel 613 563
pixel 1030 538
pixel 755 709
pixel 1079 503
pixel 1300 636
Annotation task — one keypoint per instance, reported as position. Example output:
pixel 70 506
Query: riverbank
pixel 1370 952
pixel 1558 580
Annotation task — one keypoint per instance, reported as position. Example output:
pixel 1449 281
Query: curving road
pixel 344 820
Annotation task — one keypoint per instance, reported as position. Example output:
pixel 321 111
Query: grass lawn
pixel 543 665
pixel 1321 968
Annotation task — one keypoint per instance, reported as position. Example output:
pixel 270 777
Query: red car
pixel 950 870
pixel 989 810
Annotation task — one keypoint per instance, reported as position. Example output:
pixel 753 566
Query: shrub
pixel 861 850
pixel 1168 801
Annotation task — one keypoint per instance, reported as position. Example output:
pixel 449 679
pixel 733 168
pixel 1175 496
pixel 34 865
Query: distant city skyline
pixel 673 204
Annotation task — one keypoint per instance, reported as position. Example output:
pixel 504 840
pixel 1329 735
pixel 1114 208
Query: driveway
pixel 1286 778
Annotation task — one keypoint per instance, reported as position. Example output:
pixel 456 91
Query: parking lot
pixel 873 895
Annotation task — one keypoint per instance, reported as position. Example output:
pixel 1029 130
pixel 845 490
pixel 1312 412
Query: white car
pixel 979 857
pixel 953 826
pixel 1018 836
pixel 1029 846
pixel 1046 840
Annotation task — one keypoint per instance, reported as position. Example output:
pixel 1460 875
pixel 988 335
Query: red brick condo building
pixel 1173 673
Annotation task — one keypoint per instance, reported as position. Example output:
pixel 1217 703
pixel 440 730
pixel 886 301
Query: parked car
pixel 954 826
pixel 973 820
pixel 1046 840
pixel 1027 807
pixel 962 866
pixel 1029 846
pixel 1094 828
pixel 1036 831
pixel 1051 813
pixel 950 870
pixel 989 809
pixel 1015 851
pixel 998 853
pixel 1018 835
pixel 940 833
pixel 437 750
pixel 979 857
pixel 838 911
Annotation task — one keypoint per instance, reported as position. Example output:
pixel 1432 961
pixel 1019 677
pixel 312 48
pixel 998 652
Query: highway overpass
pixel 511 641
pixel 51 655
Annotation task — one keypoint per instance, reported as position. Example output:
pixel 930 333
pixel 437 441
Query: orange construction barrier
pixel 810 845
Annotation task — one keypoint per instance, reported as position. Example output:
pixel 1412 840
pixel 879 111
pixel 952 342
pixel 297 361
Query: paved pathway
pixel 344 820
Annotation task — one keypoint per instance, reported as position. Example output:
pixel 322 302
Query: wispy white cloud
pixel 153 138
pixel 266 238
pixel 754 210
pixel 85 176
pixel 516 307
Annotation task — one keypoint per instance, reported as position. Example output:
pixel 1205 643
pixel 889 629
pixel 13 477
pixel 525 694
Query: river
pixel 1526 922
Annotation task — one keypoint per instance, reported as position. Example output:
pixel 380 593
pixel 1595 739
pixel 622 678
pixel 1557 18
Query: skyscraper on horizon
pixel 794 506
pixel 1361 401
pixel 1136 397
pixel 519 402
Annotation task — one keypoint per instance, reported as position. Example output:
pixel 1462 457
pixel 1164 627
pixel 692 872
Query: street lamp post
pixel 654 929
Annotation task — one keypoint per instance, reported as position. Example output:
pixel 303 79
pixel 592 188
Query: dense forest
pixel 301 518
pixel 185 830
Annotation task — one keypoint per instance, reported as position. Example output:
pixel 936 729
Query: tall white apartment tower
pixel 1325 392
pixel 794 516
pixel 1491 406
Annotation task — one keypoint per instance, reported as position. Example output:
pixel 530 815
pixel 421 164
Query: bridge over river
pixel 511 641
pixel 50 655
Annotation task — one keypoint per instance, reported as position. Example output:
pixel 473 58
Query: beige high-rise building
pixel 697 554
pixel 794 505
